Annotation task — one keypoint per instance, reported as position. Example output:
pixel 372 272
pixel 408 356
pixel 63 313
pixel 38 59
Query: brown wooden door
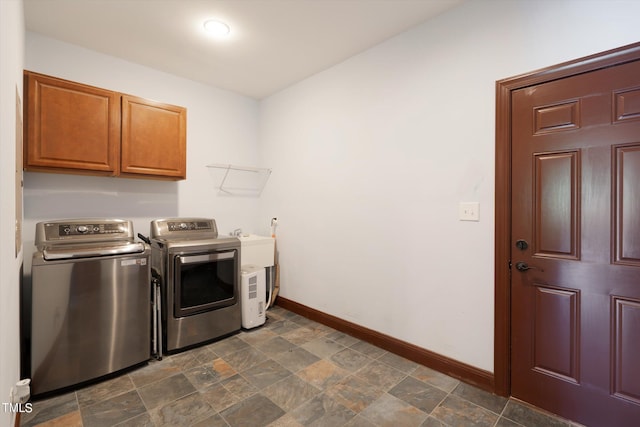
pixel 70 126
pixel 575 314
pixel 153 138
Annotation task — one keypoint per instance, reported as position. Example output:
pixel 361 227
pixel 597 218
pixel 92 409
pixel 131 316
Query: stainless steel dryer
pixel 199 273
pixel 90 302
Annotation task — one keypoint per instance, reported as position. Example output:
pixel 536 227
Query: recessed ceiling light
pixel 217 28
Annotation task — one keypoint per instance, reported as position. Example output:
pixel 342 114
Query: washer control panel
pixel 189 225
pixel 82 229
pixel 184 228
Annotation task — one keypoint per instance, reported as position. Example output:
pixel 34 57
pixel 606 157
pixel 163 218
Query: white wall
pixel 372 157
pixel 221 128
pixel 11 64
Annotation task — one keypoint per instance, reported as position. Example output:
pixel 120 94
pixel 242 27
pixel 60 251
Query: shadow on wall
pixel 54 196
pixel 58 196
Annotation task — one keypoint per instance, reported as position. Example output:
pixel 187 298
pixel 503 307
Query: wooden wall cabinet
pixel 76 128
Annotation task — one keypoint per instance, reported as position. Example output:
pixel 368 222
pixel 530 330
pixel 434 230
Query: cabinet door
pixel 153 139
pixel 70 127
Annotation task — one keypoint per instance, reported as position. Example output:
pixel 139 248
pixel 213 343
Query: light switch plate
pixel 469 211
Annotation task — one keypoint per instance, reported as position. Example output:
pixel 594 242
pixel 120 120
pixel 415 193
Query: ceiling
pixel 272 44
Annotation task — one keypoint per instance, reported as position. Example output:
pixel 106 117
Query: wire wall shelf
pixel 237 180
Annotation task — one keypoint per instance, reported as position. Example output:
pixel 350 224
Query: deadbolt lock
pixel 522 244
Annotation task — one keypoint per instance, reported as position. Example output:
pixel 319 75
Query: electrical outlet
pixel 469 211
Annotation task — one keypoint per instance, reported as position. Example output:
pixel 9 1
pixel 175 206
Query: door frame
pixel 502 250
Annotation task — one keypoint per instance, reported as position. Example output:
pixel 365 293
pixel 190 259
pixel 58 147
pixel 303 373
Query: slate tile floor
pixel 289 372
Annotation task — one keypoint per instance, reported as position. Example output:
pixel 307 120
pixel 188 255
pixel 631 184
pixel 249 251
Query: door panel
pixel 627 104
pixel 626 350
pixel 575 316
pixel 153 138
pixel 626 172
pixel 557 184
pixel 70 125
pixel 556 332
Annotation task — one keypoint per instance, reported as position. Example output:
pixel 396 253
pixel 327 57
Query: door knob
pixel 523 266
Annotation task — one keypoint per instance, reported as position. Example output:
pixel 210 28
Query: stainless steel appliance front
pixel 199 273
pixel 91 311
